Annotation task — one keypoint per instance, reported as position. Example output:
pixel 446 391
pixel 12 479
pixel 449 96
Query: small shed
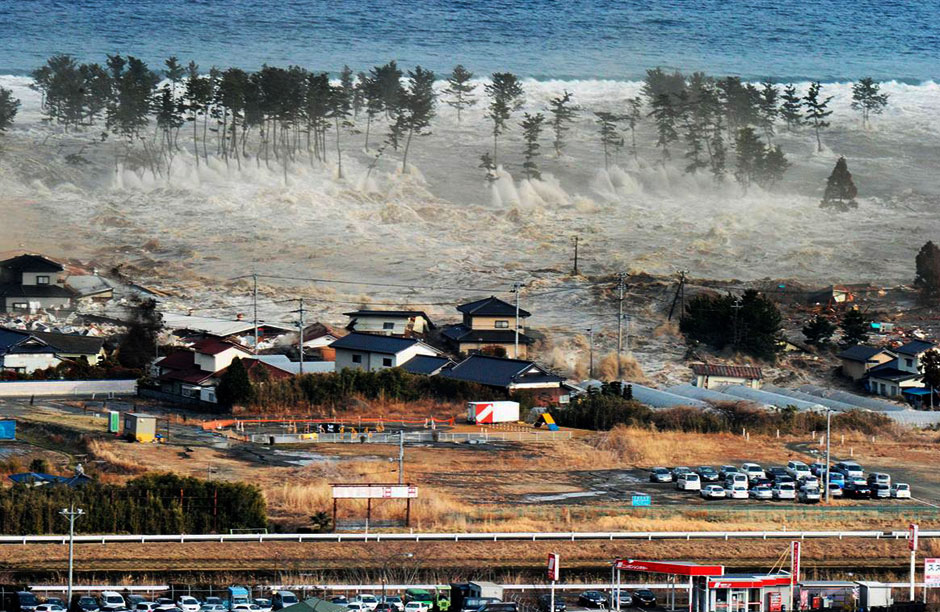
pixel 8 429
pixel 140 427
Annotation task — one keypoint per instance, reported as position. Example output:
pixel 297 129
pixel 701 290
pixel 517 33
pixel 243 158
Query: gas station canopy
pixel 677 568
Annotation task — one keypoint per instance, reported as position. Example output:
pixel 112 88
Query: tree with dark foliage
pixel 235 386
pixel 840 189
pixel 928 271
pixel 750 323
pixel 855 327
pixel 818 331
pixel 139 345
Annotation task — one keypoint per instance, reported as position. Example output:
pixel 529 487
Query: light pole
pixel 828 446
pixel 71 513
pixel 406 555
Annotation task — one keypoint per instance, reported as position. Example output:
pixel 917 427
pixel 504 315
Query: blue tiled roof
pixel 372 343
pixel 499 371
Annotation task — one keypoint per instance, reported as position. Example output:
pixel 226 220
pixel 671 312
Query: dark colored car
pixel 131 601
pixel 83 603
pixel 758 482
pixel 592 599
pixel 19 601
pixel 707 473
pixel 58 601
pixel 339 599
pixel 385 607
pixel 501 606
pixel 776 471
pixel 644 598
pixel 545 603
pixel 857 490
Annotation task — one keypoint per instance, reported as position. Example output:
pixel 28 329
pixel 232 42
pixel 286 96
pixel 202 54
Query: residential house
pixel 712 375
pixel 196 328
pixel 859 359
pixel 893 377
pixel 402 323
pixel 488 327
pixel 284 364
pixel 39 479
pixel 511 375
pixel 371 352
pixel 31 283
pixel 27 351
pixel 427 365
pixel 317 340
pixel 195 373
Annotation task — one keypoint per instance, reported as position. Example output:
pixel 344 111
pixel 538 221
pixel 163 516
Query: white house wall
pixel 29 362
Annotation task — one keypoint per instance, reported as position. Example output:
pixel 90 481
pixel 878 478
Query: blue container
pixel 8 430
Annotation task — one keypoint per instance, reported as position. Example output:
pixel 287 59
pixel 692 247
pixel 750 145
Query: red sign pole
pixel 794 569
pixel 912 545
pixel 553 572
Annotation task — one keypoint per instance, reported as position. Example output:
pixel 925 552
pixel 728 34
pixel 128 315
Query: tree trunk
pixel 339 153
pixel 368 127
pixel 195 140
pixel 404 158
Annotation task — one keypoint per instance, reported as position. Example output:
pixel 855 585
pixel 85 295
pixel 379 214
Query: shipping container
pixel 482 413
pixel 7 430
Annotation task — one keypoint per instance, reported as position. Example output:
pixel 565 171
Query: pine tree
pixel 773 164
pixel 749 157
pixel 664 114
pixel 486 162
pixel 854 328
pixel 840 189
pixel 817 110
pixel 930 369
pixel 531 130
pixel 459 90
pixel 563 114
pixel 418 103
pixel 234 385
pixel 791 109
pixel 868 99
pixel 506 96
pixel 611 139
pixel 928 271
pixel 8 109
pixel 819 330
pixel 632 116
pixel 340 107
pixel 769 94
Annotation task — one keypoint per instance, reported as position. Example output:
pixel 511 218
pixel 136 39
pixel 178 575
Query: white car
pixel 712 491
pixel 111 600
pixel 264 604
pixel 188 604
pixel 246 607
pixel 355 606
pixel 738 492
pixel 396 601
pixel 850 469
pixel 901 490
pixel 688 481
pixel 368 600
pixel 416 606
pixel 146 606
pixel 835 490
pixel 736 479
pixel 47 607
pixel 761 492
pixel 753 471
pixel 809 495
pixel 798 470
pixel 165 603
pixel 785 490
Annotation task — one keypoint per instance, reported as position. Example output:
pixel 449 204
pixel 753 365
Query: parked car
pixel 132 600
pixel 689 481
pixel 776 471
pixel 724 470
pixel 753 471
pixel 339 599
pixel 395 600
pixel 817 468
pixel 712 491
pixel 879 478
pixel 836 477
pixel 418 606
pixel 679 471
pixel 761 492
pixel 501 606
pixel 798 469
pixel 835 489
pixel 850 469
pixel 737 492
pixel 165 603
pixel 783 478
pixel 809 481
pixel 55 600
pixel 356 606
pixel 472 604
pixel 110 601
pixel 644 598
pixel 707 473
pixel 146 606
pixel 246 607
pixel 880 491
pixel 48 607
pixel 545 603
pixel 368 600
pixel 187 603
pixel 383 606
pixel 592 599
pixel 80 603
pixel 210 607
pixel 282 599
pixel 208 601
pixel 857 490
pixel 736 479
pixel 809 495
pixel 660 474
pixel 901 490
pixel 626 599
pixel 784 491
pixel 263 603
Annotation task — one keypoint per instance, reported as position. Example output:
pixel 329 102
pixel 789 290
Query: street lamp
pixel 406 555
pixel 828 445
pixel 71 513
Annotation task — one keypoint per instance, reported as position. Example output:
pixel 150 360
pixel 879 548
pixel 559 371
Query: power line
pixel 371 283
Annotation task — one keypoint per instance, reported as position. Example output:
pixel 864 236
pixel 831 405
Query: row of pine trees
pixel 284 116
pixel 154 504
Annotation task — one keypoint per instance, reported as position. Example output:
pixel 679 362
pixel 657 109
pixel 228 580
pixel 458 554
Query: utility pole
pixel 71 513
pixel 680 291
pixel 828 445
pixel 575 271
pixel 301 325
pixel 401 457
pixel 590 331
pixel 737 306
pixel 620 278
pixel 255 293
pixel 516 287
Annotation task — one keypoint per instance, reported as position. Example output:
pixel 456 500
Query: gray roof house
pixel 33 282
pixel 371 352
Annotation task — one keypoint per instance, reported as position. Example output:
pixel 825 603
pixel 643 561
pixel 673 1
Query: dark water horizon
pixel 542 39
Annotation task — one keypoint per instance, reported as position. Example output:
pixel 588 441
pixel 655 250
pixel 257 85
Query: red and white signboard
pixel 483 413
pixel 932 572
pixel 554 567
pixel 912 536
pixel 795 562
pixel 375 491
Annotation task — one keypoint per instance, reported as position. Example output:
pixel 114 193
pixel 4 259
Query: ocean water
pixel 543 39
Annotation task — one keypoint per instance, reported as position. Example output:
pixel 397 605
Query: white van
pixel 689 481
pixel 753 471
pixel 798 470
pixel 111 600
pixel 736 479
